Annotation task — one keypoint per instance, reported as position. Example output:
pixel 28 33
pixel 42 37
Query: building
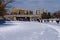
pixel 39 11
pixel 24 15
pixel 15 11
pixel 18 11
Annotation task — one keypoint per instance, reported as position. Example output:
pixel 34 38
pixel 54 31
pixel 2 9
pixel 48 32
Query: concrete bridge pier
pixel 14 19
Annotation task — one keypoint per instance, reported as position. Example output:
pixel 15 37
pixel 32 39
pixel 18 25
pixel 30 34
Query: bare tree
pixel 3 5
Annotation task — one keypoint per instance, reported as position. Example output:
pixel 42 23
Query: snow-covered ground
pixel 16 30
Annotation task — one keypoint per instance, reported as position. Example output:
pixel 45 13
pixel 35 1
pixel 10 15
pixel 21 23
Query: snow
pixel 16 30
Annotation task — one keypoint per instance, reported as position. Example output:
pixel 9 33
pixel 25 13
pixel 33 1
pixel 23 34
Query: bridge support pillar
pixel 15 19
pixel 30 18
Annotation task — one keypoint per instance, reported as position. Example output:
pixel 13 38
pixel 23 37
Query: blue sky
pixel 50 5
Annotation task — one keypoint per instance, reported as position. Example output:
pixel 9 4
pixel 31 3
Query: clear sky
pixel 50 5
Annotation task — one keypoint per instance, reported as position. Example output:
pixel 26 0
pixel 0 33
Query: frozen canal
pixel 29 31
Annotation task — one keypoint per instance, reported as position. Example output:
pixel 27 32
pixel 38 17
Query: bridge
pixel 31 17
pixel 13 17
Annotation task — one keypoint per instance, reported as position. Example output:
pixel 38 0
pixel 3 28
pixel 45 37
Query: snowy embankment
pixel 29 31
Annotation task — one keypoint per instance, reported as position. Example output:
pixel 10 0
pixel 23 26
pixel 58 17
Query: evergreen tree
pixel 44 15
pixel 49 15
